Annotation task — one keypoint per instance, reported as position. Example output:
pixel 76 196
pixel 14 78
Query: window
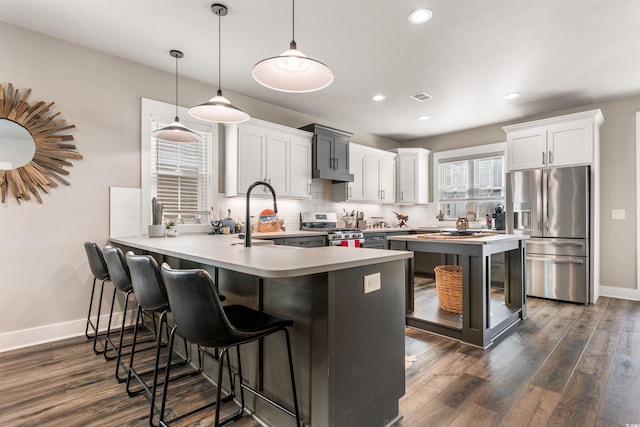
pixel 178 174
pixel 470 182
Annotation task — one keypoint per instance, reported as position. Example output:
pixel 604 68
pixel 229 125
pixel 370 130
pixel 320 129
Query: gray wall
pixel 44 276
pixel 617 180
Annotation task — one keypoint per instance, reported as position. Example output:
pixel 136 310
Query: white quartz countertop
pixel 485 240
pixel 269 261
pixel 418 229
pixel 285 234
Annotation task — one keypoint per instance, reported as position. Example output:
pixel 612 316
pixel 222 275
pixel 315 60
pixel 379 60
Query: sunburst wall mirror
pixel 34 151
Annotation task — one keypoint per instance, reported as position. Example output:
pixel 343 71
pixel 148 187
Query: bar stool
pixel 200 318
pixel 121 278
pixel 150 291
pixel 100 272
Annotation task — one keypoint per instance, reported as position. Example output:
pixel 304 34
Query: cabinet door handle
pixel 550 156
pixel 309 188
pixel 543 163
pixel 333 162
pixel 349 192
pixel 402 195
pixel 337 163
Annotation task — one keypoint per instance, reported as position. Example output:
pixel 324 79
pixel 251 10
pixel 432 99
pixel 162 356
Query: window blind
pixel 180 175
pixel 468 185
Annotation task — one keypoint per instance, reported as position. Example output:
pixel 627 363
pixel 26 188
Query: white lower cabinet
pixel 374 174
pixel 263 151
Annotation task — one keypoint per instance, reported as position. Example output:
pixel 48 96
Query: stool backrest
pixel 117 266
pixel 147 282
pixel 96 261
pixel 196 307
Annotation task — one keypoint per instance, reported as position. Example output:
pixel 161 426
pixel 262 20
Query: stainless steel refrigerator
pixel 552 206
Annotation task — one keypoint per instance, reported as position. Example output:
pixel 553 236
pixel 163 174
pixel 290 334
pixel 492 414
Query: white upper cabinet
pixel 374 173
pixel 412 175
pixel 355 189
pixel 263 151
pixel 300 167
pixel 559 141
pixel 387 178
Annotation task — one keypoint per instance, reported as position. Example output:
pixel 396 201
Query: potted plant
pixel 157 228
pixel 172 228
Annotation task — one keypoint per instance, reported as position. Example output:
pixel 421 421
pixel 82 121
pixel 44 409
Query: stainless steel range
pixel 327 221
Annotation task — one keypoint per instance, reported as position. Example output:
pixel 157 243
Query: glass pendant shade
pixel 292 71
pixel 220 110
pixel 176 131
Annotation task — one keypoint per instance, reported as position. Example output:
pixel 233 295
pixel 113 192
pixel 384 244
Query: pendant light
pixel 219 109
pixel 292 71
pixel 176 131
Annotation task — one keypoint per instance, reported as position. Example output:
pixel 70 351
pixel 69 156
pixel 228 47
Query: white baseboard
pixel 49 333
pixel 622 293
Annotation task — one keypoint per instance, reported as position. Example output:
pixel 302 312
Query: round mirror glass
pixel 17 146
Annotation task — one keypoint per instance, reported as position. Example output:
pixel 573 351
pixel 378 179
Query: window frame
pixel 468 153
pixel 163 112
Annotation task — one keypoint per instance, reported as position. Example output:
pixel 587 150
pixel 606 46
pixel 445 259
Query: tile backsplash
pixel 124 212
pixel 321 201
pixel 125 209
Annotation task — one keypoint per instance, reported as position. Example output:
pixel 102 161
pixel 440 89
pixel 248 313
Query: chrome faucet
pixel 247 224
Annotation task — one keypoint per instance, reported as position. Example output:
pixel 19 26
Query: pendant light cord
pixel 176 88
pixel 293 20
pixel 219 52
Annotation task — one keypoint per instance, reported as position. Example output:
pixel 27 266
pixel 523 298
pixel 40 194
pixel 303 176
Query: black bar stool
pixel 200 318
pixel 150 291
pixel 121 279
pixel 100 272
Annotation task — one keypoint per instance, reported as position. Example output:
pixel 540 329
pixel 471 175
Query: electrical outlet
pixel 618 214
pixel 371 283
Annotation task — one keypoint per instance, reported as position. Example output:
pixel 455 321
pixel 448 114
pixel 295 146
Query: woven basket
pixel 449 287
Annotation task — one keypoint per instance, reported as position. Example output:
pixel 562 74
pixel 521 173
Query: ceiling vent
pixel 421 96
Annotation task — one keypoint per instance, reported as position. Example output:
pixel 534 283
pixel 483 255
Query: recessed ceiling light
pixel 378 97
pixel 420 16
pixel 513 95
pixel 424 117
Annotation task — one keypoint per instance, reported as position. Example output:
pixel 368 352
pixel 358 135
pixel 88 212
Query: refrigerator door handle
pixel 556 260
pixel 562 243
pixel 545 199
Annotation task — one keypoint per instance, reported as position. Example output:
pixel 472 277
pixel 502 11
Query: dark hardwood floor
pixel 567 364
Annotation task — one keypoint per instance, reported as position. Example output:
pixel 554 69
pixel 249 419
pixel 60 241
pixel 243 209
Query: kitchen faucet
pixel 247 224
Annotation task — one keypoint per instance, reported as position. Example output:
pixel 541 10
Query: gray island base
pixel 348 345
pixel 484 317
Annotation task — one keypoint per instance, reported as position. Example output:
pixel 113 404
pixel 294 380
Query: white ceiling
pixel 557 53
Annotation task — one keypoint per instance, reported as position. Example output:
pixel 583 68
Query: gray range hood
pixel 330 158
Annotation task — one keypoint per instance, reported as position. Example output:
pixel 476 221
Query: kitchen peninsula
pixel 487 313
pixel 347 339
